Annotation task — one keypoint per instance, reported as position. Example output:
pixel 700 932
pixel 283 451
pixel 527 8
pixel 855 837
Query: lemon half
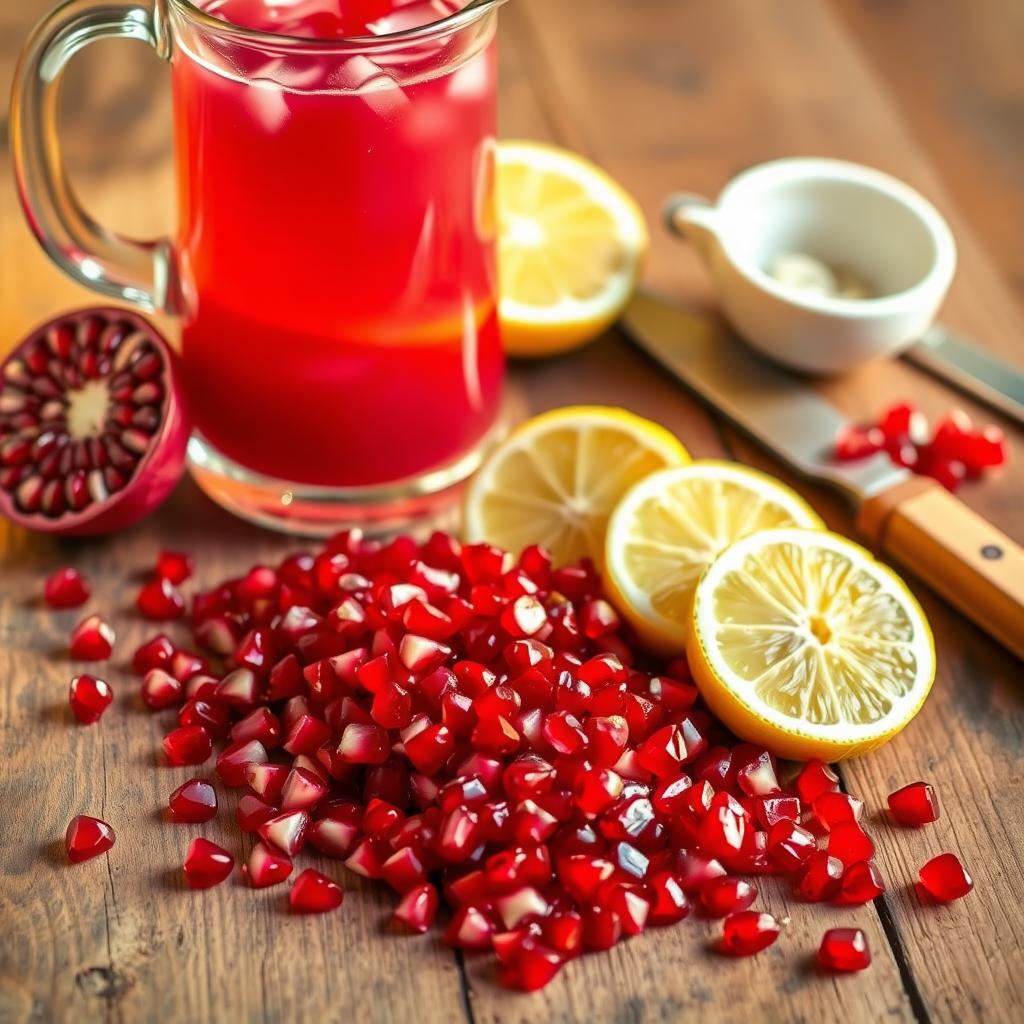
pixel 571 245
pixel 801 641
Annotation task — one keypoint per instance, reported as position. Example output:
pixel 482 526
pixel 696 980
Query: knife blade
pixel 912 519
pixel 971 369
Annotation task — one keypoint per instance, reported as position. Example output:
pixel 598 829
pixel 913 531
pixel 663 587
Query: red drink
pixel 336 242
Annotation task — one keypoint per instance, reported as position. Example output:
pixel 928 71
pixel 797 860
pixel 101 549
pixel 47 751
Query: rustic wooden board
pixel 667 95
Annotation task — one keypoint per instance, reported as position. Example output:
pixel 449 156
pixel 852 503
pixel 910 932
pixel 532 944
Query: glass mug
pixel 334 268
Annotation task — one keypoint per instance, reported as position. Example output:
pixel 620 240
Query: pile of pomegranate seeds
pixel 955 450
pixel 478 732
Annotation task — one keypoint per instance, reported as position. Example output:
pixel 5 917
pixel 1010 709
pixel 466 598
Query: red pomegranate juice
pixel 336 246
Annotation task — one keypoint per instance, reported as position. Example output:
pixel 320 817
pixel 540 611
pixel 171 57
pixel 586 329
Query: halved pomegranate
pixel 93 426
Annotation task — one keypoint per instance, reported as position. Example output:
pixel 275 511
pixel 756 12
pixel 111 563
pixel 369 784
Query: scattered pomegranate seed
pixel 915 804
pixel 945 879
pixel 161 690
pixel 417 909
pixel 956 449
pixel 159 600
pixel 194 801
pixel 266 866
pixel 66 588
pixel 189 744
pixel 206 864
pixel 92 640
pixel 815 780
pixel 844 949
pixel 861 884
pixel 87 838
pixel 89 698
pixel 849 843
pixel 155 653
pixel 173 566
pixel 314 893
pixel 821 877
pixel 723 896
pixel 748 932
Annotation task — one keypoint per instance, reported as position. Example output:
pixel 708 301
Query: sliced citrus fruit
pixel 555 480
pixel 571 244
pixel 801 641
pixel 667 529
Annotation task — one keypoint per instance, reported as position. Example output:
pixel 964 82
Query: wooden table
pixel 667 94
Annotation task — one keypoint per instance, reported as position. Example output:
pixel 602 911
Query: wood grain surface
pixel 667 95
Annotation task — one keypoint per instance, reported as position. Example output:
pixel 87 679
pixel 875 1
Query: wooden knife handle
pixel 977 569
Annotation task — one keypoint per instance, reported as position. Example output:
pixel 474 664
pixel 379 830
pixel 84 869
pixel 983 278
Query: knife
pixel 971 369
pixel 912 519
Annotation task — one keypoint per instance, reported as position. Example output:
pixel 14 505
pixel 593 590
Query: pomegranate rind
pixel 157 472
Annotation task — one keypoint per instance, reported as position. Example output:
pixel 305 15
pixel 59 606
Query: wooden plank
pixel 792 83
pixel 965 113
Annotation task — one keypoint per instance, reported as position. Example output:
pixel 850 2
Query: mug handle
pixel 138 272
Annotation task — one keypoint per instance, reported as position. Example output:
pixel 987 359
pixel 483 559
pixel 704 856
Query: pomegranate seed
pixel 694 871
pixel 286 832
pixel 253 812
pixel 301 790
pixel 89 698
pixel 266 780
pixel 533 968
pixel 266 867
pixel 92 640
pixel 87 838
pixel 904 421
pixel 233 761
pixel 602 928
pixel 669 903
pixel 844 949
pixel 856 442
pixel 66 588
pixel 159 600
pixel 814 780
pixel 748 932
pixel 849 843
pixel 770 810
pixel 185 665
pixel 563 932
pixel 155 653
pixel 945 879
pixel 420 654
pixel 260 724
pixel 861 884
pixel 831 809
pixel 195 801
pixel 723 896
pixel 314 893
pixel 915 804
pixel 418 908
pixel 789 846
pixel 160 690
pixel 206 864
pixel 820 878
pixel 365 744
pixel 332 838
pixel 173 566
pixel 189 744
pixel 214 718
pixel 469 928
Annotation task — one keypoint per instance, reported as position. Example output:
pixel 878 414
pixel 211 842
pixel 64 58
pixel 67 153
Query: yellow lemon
pixel 571 244
pixel 555 479
pixel 801 641
pixel 667 529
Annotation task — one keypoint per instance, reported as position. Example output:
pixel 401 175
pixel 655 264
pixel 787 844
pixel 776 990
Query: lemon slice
pixel 555 480
pixel 571 243
pixel 669 527
pixel 801 641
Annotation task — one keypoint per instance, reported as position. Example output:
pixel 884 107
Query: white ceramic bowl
pixel 844 215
